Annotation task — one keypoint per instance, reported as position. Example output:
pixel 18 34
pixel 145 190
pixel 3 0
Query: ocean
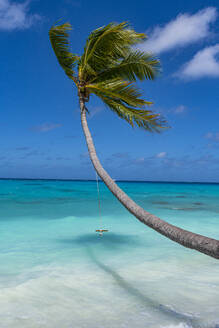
pixel 57 272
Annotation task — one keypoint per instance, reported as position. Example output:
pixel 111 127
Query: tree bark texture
pixel 186 238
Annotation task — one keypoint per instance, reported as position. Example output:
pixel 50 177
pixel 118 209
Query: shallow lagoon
pixel 57 272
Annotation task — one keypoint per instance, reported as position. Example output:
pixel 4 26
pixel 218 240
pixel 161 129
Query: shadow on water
pixel 140 297
pixel 110 240
pixel 116 241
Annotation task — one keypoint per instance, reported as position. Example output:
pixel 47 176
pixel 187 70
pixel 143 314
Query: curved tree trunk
pixel 186 238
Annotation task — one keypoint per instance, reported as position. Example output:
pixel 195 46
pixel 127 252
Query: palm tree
pixel 109 68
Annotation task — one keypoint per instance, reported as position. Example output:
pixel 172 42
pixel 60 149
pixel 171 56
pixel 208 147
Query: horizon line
pixel 117 180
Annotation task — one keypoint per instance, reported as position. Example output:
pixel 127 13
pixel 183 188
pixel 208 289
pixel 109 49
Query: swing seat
pixel 101 231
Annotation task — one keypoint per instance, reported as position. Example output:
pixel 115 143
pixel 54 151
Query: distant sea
pixel 56 272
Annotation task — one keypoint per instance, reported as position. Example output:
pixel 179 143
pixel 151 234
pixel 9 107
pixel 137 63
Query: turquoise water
pixel 56 272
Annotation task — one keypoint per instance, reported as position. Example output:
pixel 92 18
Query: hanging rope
pixel 101 230
pixel 98 192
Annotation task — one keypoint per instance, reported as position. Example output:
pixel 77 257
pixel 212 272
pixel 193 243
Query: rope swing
pixel 101 230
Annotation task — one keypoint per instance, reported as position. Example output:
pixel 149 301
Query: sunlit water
pixel 56 272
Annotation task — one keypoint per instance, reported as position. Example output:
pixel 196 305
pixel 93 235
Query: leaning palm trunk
pixel 109 68
pixel 186 238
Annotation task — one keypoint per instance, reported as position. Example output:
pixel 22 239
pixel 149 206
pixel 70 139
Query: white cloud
pixel 180 109
pixel 204 64
pixel 209 135
pixel 212 136
pixel 94 111
pixel 183 30
pixel 46 127
pixel 15 15
pixel 140 160
pixel 161 155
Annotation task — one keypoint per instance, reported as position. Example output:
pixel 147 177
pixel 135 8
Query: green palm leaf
pixel 123 98
pixel 108 69
pixel 106 45
pixel 118 89
pixel 59 38
pixel 137 65
pixel 144 119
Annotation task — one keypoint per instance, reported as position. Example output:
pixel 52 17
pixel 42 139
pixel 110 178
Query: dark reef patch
pixel 161 203
pixel 32 184
pixel 67 190
pixel 22 202
pixel 53 200
pixel 185 208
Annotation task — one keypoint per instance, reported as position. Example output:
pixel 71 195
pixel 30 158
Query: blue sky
pixel 40 133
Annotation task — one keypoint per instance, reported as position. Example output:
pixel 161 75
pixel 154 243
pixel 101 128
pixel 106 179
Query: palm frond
pixel 59 38
pixel 123 98
pixel 106 45
pixel 120 90
pixel 137 65
pixel 144 119
pixel 108 68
